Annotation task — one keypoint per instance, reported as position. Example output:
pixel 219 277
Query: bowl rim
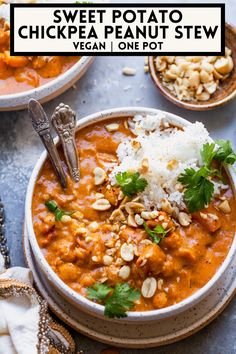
pixel 58 80
pixel 190 104
pixel 75 297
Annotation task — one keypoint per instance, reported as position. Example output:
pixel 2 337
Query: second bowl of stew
pixel 39 77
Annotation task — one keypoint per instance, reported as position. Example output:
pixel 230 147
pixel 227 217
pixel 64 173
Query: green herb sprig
pixel 117 301
pixel 52 206
pixel 131 183
pixel 199 188
pixel 225 153
pixel 157 234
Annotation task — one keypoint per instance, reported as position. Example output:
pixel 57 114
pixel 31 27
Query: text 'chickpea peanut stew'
pixel 151 220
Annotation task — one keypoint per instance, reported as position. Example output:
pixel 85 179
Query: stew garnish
pixel 131 183
pixel 157 234
pixel 117 301
pixel 199 188
pixel 59 213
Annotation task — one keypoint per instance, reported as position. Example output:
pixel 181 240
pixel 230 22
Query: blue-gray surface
pixel 104 87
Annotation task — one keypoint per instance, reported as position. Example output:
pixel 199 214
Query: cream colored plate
pixel 134 335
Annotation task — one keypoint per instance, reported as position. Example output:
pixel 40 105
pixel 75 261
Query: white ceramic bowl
pixel 50 90
pixel 78 300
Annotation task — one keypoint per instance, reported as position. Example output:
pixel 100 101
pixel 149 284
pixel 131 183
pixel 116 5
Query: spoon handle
pixel 64 122
pixel 41 125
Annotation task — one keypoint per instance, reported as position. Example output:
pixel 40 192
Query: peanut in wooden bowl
pixel 227 88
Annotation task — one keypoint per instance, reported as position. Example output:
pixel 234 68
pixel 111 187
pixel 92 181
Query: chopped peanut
pixel 194 78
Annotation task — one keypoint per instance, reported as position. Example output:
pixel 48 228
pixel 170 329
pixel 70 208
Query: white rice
pixel 160 147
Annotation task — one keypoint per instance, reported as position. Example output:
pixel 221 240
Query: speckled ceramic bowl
pixel 78 300
pixel 50 90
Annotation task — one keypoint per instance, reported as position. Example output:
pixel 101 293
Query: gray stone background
pixel 104 87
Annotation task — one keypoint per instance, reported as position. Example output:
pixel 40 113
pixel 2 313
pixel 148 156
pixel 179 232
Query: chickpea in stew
pixel 150 221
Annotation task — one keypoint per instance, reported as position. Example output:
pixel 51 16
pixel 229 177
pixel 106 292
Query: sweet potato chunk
pixel 173 241
pixel 152 259
pixel 209 217
pixel 15 62
pixel 187 253
pixel 52 68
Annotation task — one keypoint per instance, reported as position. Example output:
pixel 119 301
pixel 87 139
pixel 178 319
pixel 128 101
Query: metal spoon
pixel 64 122
pixel 41 125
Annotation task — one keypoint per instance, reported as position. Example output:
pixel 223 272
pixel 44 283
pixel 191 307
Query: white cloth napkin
pixel 19 316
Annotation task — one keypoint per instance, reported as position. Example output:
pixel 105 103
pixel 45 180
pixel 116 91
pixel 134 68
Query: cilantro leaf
pixel 199 195
pixel 199 190
pixel 121 300
pixel 131 183
pixel 116 300
pixel 98 292
pixel 157 234
pixel 225 153
pixel 191 176
pixel 208 153
pixel 52 206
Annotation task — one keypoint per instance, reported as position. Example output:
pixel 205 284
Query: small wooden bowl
pixel 226 91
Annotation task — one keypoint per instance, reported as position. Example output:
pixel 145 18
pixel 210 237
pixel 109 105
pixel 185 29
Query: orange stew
pixel 77 247
pixel 23 73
